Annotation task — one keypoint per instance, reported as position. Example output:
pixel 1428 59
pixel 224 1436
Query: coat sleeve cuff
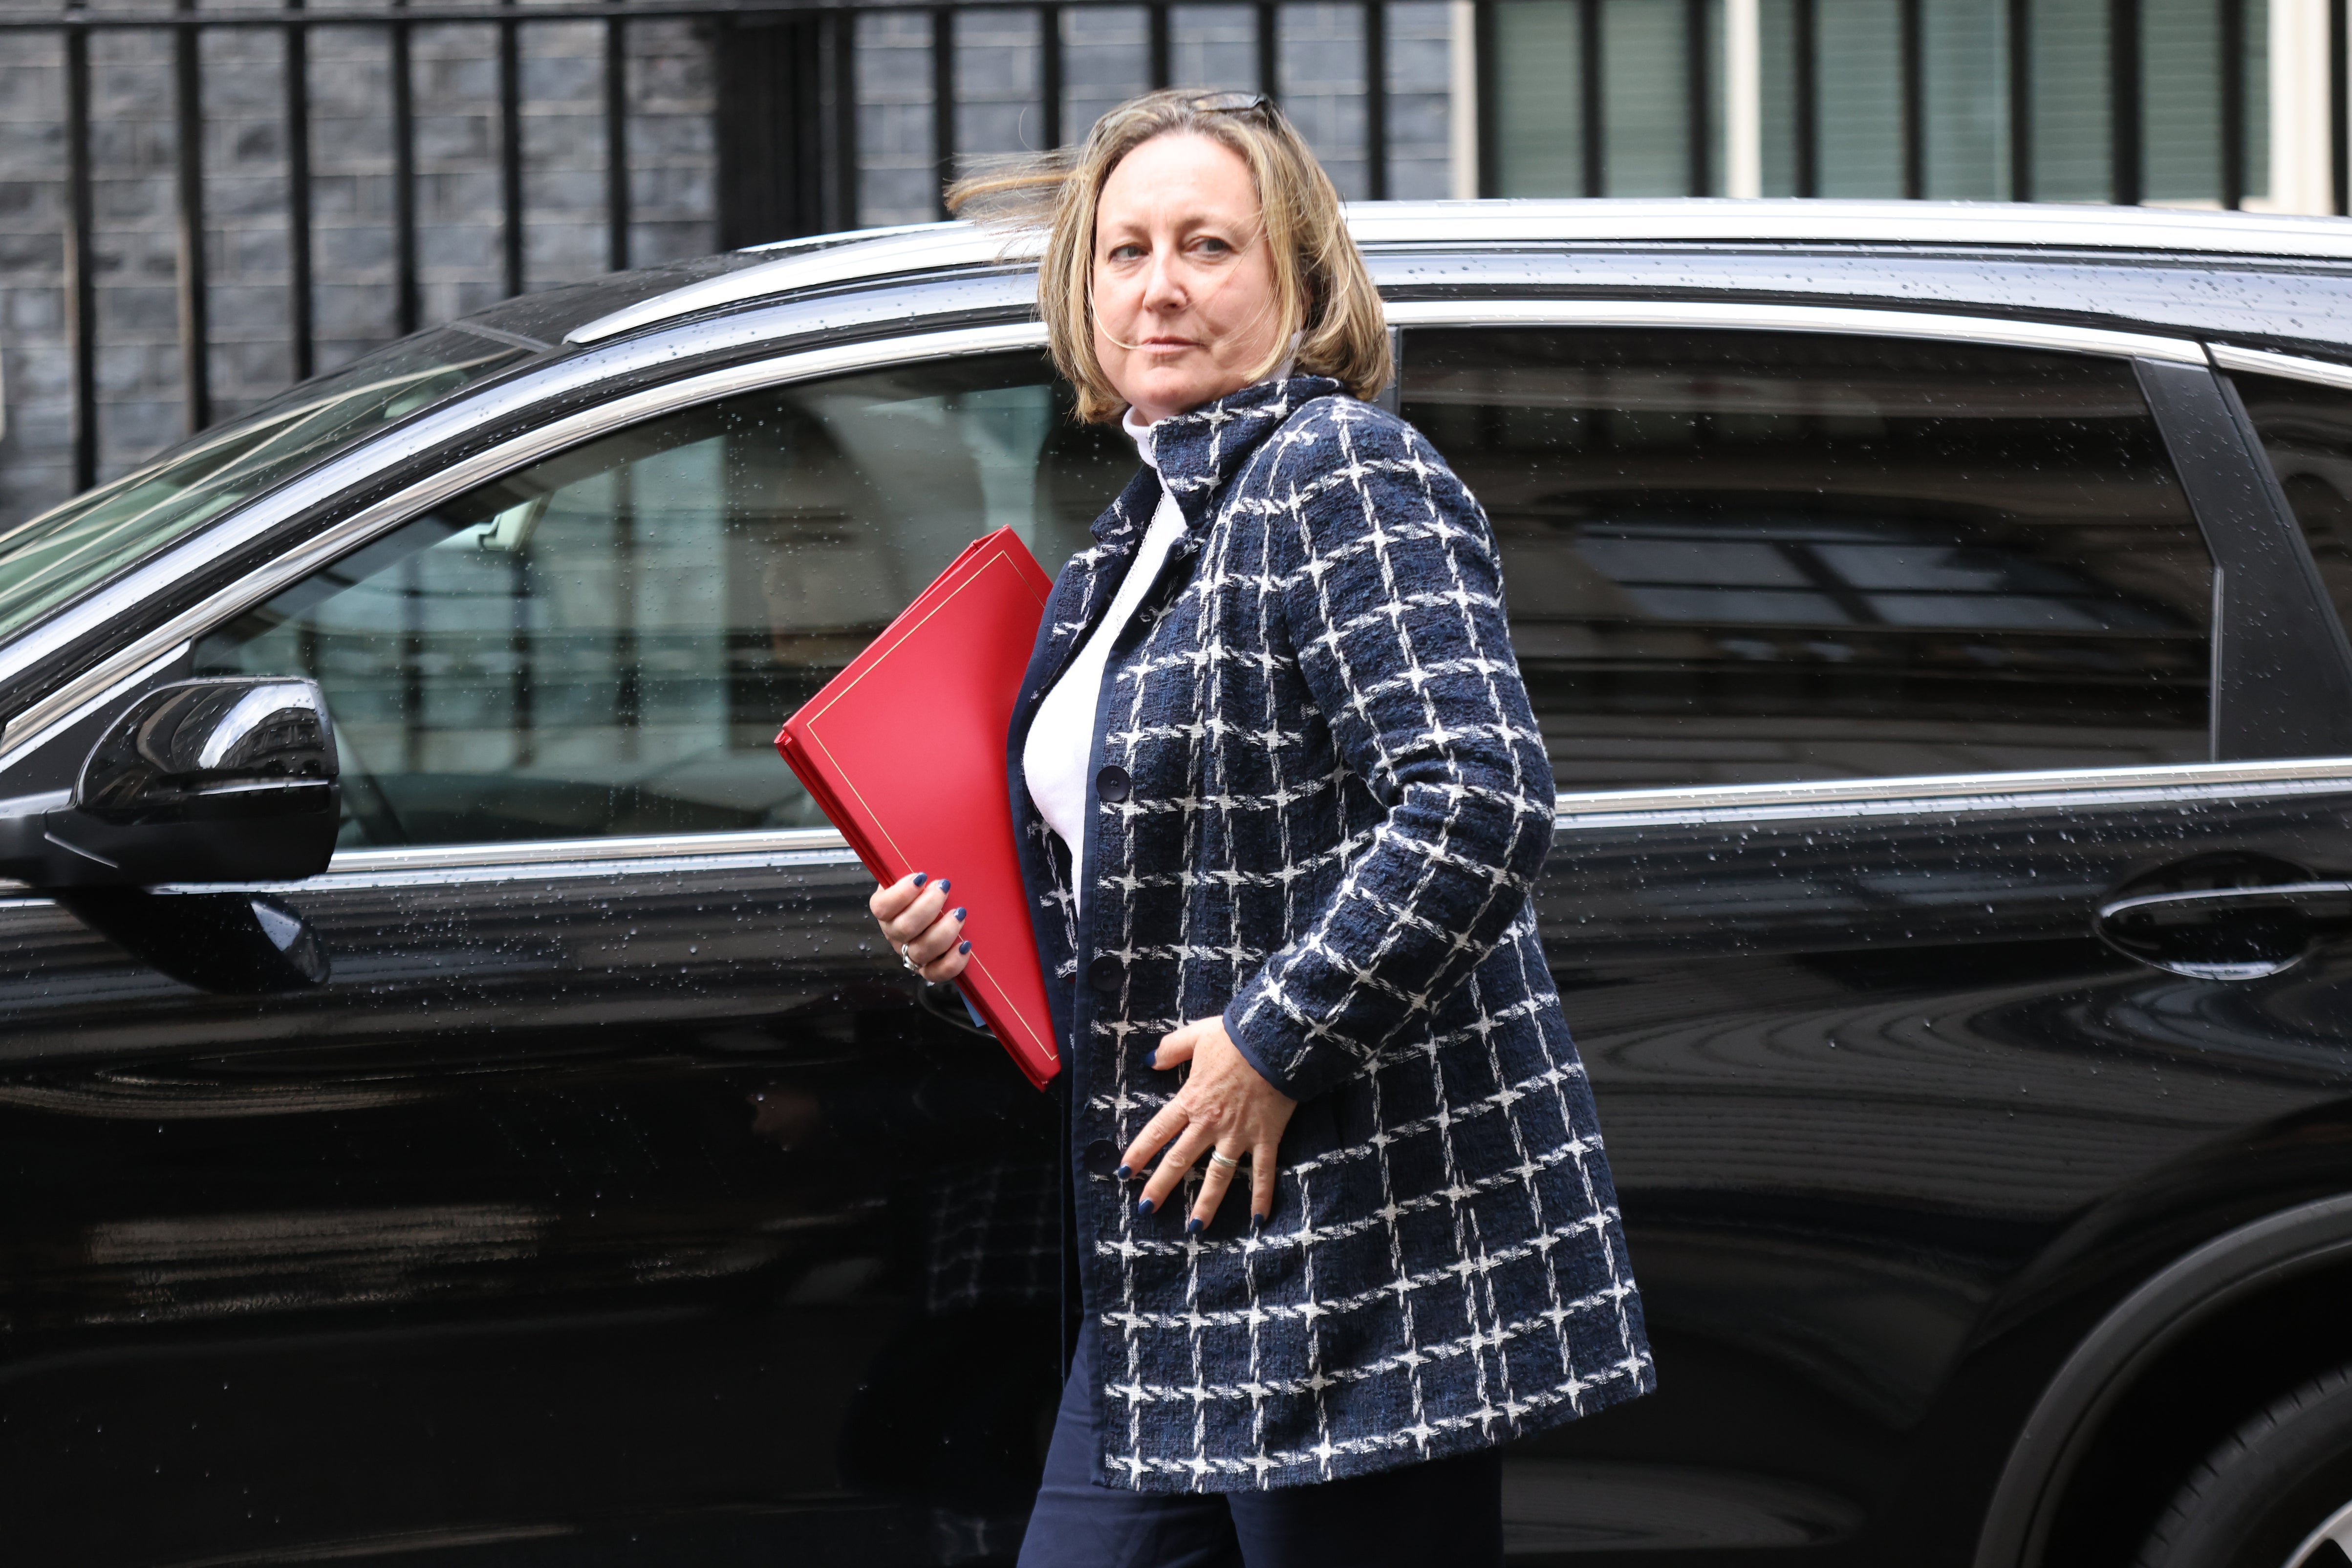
pixel 1266 1039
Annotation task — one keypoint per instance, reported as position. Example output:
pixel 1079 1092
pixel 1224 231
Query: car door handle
pixel 2226 933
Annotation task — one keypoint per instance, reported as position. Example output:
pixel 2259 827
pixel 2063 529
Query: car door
pixel 616 1199
pixel 1878 667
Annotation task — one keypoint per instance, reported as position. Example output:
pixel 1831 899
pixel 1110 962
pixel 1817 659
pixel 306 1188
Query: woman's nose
pixel 1162 289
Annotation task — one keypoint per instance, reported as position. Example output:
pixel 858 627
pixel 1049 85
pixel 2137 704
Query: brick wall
pixel 1107 59
pixel 458 199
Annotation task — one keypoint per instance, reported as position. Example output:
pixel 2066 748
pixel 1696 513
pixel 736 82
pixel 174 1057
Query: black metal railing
pixel 2126 137
pixel 787 150
pixel 809 154
pixel 1803 20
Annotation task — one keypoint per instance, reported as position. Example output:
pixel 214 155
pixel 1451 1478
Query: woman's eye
pixel 1126 253
pixel 1211 245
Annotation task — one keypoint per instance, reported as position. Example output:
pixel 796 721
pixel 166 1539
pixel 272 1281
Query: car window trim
pixel 38 720
pixel 44 719
pixel 639 847
pixel 1953 794
pixel 1941 794
pixel 1734 315
pixel 782 848
pixel 41 720
pixel 2292 367
pixel 505 398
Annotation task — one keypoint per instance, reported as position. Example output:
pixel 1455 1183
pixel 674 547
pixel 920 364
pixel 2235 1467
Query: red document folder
pixel 904 751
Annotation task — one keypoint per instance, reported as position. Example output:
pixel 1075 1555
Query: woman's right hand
pixel 916 922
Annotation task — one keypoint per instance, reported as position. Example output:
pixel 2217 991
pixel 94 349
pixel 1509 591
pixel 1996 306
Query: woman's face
pixel 1185 294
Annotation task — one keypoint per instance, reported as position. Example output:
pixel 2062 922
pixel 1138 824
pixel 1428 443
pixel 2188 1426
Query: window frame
pixel 931 358
pixel 1715 323
pixel 118 674
pixel 2223 477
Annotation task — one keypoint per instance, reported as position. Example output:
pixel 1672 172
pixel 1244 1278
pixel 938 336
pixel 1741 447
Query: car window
pixel 1756 557
pixel 2306 431
pixel 47 560
pixel 606 642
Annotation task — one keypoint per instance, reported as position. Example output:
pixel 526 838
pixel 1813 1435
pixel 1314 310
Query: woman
pixel 1283 805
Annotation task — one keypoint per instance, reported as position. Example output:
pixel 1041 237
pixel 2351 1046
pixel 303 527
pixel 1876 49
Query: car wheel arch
pixel 2237 1269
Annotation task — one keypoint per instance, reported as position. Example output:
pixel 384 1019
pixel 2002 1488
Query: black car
pixel 1937 616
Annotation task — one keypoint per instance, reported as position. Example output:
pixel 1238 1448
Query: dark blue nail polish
pixel 1192 1226
pixel 945 884
pixel 1143 1207
pixel 921 878
pixel 959 913
pixel 1152 1061
pixel 1257 1221
pixel 963 946
pixel 1124 1172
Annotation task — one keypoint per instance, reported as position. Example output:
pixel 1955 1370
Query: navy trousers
pixel 1446 1511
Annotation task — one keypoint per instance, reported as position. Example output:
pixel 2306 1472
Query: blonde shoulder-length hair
pixel 1329 303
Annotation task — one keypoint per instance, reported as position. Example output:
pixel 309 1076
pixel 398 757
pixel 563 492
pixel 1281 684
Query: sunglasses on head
pixel 1231 103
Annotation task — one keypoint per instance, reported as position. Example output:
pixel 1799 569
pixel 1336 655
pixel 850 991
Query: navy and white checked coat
pixel 1321 806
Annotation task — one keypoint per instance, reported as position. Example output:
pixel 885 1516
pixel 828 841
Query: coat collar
pixel 1198 451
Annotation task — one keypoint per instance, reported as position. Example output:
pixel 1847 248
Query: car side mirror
pixel 201 781
pixel 208 780
pixel 233 943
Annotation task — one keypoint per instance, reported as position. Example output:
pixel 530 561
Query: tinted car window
pixel 66 551
pixel 605 643
pixel 1750 556
pixel 2307 432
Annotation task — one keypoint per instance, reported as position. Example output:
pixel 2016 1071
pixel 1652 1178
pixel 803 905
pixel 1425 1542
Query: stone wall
pixel 458 199
pixel 132 148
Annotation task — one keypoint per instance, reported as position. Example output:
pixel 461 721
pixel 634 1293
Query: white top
pixel 1061 738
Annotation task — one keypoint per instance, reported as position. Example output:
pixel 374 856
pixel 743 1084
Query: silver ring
pixel 1224 1160
pixel 907 958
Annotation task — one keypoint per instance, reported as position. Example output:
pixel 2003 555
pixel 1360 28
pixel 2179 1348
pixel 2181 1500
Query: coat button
pixel 1102 1157
pixel 1112 783
pixel 1104 973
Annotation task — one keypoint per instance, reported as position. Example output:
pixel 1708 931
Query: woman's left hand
pixel 1226 1107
